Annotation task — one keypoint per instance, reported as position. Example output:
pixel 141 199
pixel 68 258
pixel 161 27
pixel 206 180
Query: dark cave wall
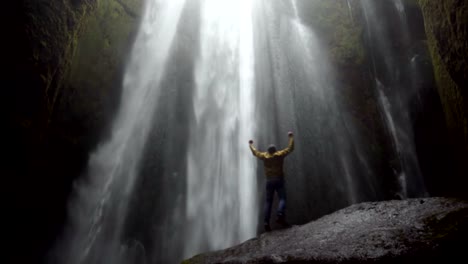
pixel 356 77
pixel 92 85
pixel 64 61
pixel 40 48
pixel 446 24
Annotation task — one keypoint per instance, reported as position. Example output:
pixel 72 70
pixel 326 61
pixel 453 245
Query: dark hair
pixel 272 149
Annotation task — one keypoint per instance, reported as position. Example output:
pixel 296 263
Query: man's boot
pixel 281 220
pixel 267 227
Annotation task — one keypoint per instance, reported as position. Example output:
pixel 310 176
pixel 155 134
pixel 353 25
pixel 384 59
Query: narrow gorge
pixel 128 121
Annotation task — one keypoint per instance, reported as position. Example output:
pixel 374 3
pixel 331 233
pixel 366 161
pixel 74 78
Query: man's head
pixel 271 149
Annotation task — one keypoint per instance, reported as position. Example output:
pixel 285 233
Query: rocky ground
pixel 429 230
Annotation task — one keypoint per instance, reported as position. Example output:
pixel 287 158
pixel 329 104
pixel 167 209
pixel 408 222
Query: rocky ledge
pixel 428 230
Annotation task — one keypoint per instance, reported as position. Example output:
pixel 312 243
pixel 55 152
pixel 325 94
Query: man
pixel 273 164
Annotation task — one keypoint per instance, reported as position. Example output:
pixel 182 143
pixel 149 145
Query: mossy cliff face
pixel 40 45
pixel 358 60
pixel 341 28
pixel 63 58
pixel 341 37
pixel 446 25
pixel 334 22
pixel 46 34
pixel 92 85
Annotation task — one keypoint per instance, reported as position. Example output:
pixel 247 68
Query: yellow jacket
pixel 273 163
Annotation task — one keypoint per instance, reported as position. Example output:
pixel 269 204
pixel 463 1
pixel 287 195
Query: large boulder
pixel 424 230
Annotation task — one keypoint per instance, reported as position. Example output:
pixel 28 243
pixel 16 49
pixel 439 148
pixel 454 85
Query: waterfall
pixel 295 9
pixel 221 173
pixel 395 73
pixel 221 186
pixel 98 208
pixel 350 10
pixel 397 144
pixel 296 90
pixel 177 178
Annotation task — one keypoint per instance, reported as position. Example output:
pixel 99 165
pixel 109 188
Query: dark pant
pixel 272 185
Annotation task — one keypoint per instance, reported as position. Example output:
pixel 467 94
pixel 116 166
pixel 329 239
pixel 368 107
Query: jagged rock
pixel 429 230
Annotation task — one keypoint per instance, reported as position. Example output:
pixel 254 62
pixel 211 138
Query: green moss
pixel 446 25
pixel 49 29
pixel 197 259
pixel 335 23
pixel 448 90
pixel 103 45
pixel 93 79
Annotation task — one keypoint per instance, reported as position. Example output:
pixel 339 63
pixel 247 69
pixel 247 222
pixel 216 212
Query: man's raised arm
pixel 290 147
pixel 255 152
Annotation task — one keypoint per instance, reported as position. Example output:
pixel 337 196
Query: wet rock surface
pixel 432 230
pixel 446 24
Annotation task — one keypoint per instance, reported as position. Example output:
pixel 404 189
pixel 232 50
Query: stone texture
pixel 446 25
pixel 92 86
pixel 424 230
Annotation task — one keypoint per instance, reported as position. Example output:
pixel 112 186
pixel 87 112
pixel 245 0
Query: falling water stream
pixel 255 70
pixel 395 94
pixel 99 206
pixel 221 207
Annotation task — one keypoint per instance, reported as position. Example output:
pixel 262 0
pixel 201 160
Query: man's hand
pixel 290 134
pixel 250 142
